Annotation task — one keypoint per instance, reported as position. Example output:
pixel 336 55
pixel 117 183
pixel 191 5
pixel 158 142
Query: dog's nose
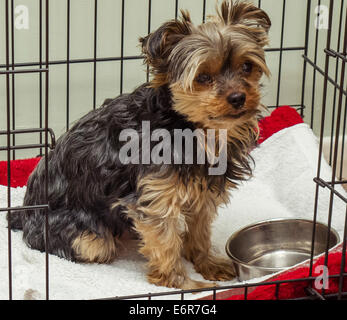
pixel 237 100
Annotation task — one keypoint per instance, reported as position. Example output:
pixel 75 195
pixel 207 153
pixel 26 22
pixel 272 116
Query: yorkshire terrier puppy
pixel 203 77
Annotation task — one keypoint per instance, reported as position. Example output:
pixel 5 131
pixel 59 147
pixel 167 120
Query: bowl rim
pixel 270 221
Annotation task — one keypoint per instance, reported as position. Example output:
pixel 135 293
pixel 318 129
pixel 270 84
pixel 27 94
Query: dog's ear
pixel 248 15
pixel 158 45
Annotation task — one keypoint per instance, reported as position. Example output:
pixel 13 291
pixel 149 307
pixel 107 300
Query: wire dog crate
pixel 320 84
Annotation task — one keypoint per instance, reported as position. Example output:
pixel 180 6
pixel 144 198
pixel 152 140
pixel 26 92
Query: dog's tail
pixel 15 220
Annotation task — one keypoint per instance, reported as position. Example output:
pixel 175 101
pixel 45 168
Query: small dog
pixel 205 77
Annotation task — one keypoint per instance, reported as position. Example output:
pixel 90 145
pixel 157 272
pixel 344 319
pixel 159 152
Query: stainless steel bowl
pixel 271 246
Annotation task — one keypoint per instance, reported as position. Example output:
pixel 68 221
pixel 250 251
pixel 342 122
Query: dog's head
pixel 213 69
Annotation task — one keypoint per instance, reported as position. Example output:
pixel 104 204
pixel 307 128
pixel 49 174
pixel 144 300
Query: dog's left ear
pixel 248 15
pixel 158 45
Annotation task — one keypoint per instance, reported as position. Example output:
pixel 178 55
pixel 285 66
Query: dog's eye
pixel 203 78
pixel 247 67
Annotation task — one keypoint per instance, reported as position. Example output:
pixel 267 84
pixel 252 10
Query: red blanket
pixel 290 290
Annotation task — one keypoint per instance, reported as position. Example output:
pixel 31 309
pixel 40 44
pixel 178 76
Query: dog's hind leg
pixel 90 247
pixel 71 235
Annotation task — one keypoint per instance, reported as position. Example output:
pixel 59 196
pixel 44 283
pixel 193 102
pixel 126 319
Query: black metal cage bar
pixel 11 131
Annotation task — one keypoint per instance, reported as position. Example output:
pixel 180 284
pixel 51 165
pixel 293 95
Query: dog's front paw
pixel 216 269
pixel 178 281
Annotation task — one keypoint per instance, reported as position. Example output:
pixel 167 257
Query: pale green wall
pixel 109 30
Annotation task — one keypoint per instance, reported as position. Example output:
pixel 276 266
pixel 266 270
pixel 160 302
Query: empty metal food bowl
pixel 271 246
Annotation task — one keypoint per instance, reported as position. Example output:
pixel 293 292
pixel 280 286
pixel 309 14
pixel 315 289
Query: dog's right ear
pixel 246 14
pixel 157 46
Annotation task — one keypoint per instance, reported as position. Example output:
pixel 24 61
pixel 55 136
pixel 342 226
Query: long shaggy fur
pixel 93 197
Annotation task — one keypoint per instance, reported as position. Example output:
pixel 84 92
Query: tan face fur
pixel 213 69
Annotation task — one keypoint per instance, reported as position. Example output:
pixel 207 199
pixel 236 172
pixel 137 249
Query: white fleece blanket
pixel 282 186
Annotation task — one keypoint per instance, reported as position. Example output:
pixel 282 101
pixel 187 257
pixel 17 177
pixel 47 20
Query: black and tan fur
pixel 93 197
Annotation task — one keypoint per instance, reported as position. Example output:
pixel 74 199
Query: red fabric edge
pixel 291 290
pixel 20 171
pixel 281 118
pixel 294 288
